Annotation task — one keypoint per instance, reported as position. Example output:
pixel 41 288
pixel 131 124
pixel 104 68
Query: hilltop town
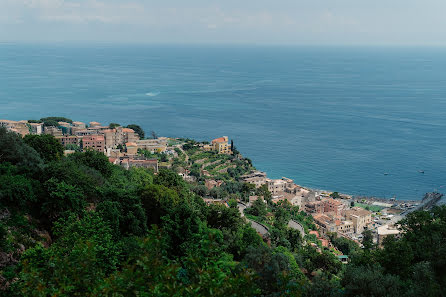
pixel 218 172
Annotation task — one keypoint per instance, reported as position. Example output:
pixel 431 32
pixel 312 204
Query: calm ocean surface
pixel 333 118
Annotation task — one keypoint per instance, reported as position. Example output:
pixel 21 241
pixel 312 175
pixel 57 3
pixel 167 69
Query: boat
pixel 421 171
pixel 385 173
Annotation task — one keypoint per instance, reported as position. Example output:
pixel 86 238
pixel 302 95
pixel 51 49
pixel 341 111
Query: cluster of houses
pixel 120 144
pixel 330 215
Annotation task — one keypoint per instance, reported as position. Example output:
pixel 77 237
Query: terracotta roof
pixel 127 130
pixel 221 139
pixel 131 144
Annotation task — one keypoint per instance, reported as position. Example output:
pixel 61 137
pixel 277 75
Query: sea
pixel 358 120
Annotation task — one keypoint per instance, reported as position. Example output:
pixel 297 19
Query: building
pixel 69 140
pixel 55 131
pixel 276 185
pixel 132 148
pixel 344 227
pixel 210 183
pixel 94 142
pixel 153 145
pixel 386 230
pixel 94 124
pixel 20 127
pixel 80 125
pixel 360 217
pixel 332 205
pixel 221 145
pixel 326 223
pixel 129 135
pixel 314 207
pixel 113 137
pixel 36 128
pixel 257 178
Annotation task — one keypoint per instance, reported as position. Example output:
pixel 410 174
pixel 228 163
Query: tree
pixel 371 281
pixel 48 147
pixel 15 151
pixel 154 136
pixel 57 119
pixel 137 129
pixel 258 208
pixel 335 195
pixel 113 125
pixel 95 160
pixel 367 240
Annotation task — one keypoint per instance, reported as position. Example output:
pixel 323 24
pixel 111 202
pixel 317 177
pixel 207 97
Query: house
pixel 69 140
pixel 129 135
pixel 132 148
pixel 153 145
pixel 36 128
pixel 386 230
pixel 257 178
pixel 79 125
pixel 210 183
pixel 95 124
pixel 332 205
pixel 360 217
pixel 221 145
pixel 55 131
pixel 95 142
pixel 113 137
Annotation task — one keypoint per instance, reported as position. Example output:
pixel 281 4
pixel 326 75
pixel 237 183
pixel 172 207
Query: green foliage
pixel 16 191
pixel 113 125
pixel 51 123
pixel 94 229
pixel 15 151
pixel 57 119
pixel 75 264
pixel 258 208
pixel 346 246
pixel 48 147
pixel 137 129
pixel 95 160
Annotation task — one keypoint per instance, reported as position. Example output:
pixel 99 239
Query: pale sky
pixel 293 22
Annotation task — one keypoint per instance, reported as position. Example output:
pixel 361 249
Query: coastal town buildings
pixel 95 142
pixel 360 217
pixel 19 127
pixel 69 140
pixel 153 145
pixel 132 148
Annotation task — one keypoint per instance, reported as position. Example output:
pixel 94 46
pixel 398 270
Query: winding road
pixel 262 229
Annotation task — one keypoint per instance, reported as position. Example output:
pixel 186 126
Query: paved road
pixel 262 230
pixel 295 225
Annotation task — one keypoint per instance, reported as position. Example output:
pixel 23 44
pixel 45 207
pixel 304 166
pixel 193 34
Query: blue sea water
pixel 330 118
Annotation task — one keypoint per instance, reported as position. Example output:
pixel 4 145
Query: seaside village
pixel 213 164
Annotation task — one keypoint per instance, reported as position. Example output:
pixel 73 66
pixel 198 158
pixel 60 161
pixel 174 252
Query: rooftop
pixel 220 139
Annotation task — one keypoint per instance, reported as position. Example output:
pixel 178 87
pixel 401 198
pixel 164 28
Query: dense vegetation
pixel 79 226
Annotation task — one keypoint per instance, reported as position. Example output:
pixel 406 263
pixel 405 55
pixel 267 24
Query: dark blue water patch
pixel 330 118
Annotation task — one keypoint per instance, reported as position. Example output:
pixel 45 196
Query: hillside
pixel 81 226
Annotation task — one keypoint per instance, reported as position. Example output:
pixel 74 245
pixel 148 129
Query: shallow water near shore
pixel 361 121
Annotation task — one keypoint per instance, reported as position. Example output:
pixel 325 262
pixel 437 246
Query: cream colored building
pixel 153 145
pixel 386 230
pixel 132 148
pixel 360 217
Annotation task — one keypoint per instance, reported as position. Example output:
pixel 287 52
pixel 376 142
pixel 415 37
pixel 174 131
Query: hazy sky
pixel 327 22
